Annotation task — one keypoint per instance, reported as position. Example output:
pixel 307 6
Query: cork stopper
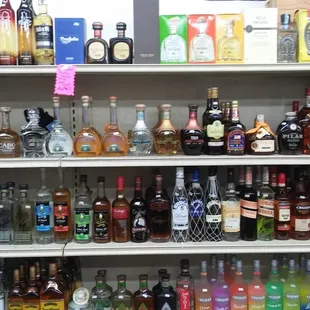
pixel 214 92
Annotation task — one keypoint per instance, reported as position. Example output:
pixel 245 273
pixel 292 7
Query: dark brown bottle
pixel 15 296
pixel 121 47
pixel 31 298
pixel 143 298
pixel 304 114
pixel 205 115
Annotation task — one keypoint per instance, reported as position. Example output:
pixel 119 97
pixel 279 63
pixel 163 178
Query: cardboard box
pixel 229 38
pixel 173 39
pixel 201 38
pixel 260 35
pixel 302 19
pixel 69 40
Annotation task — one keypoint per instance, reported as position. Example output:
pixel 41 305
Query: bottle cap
pixel 220 265
pixel 281 179
pixel 10 184
pixel 295 106
pixel 97 26
pixel 195 175
pixel 193 107
pixel 101 179
pixel 302 260
pixel 102 272
pixel 239 265
pixel 161 272
pixel 81 296
pixel 23 187
pixel 184 263
pixel 285 19
pixel 120 183
pixel 274 264
pixel 121 26
pixel 204 266
pixel 256 265
pixel 291 114
pixel 308 265
pixel 260 118
pixel 307 92
pixel 291 264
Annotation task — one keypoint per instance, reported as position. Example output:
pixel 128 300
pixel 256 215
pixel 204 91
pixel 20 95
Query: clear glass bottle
pixel 58 142
pixel 6 227
pixel 141 140
pixel 11 193
pixel 23 218
pixel 101 296
pixel 122 298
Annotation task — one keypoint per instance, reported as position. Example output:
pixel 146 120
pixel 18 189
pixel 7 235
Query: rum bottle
pixel 16 293
pixel 122 298
pixel 31 298
pixel 143 298
pixel 304 114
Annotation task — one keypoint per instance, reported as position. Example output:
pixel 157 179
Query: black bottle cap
pixel 121 26
pixel 101 179
pixel 184 263
pixel 97 26
pixel 23 187
pixel 10 184
pixel 83 178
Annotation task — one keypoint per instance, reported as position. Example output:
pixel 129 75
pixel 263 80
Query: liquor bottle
pixel 214 139
pixel 282 210
pixel 58 142
pixel 9 139
pixel 306 137
pixel 114 142
pixel 274 290
pixel 227 113
pixel 52 292
pixel 291 292
pixel 159 121
pixel 32 135
pixel 235 133
pixel 283 274
pixel 302 269
pixel 205 116
pixel 31 298
pixel 121 298
pixel 213 269
pixel 256 289
pixel 258 180
pixel 6 227
pixel 87 142
pixel 300 215
pixel 3 291
pixel 101 215
pixel 241 184
pixel 83 214
pixel 180 208
pixel 121 47
pixel 166 297
pixel 238 290
pixel 143 298
pixel 197 218
pixel 62 211
pixel 304 114
pixel 260 140
pixel 101 295
pixel 25 16
pixel 305 289
pixel 65 280
pixel 96 48
pixel 213 209
pixel 159 213
pixel 248 202
pixel 156 288
pixel 231 210
pixel 8 48
pixel 295 106
pixel 141 140
pixel 265 219
pixel 220 290
pixel 103 273
pixel 44 39
pixel 120 214
pixel 192 136
pixel 23 221
pixel 167 137
pixel 11 193
pixel 203 289
pixel 16 293
pixel 232 270
pixel 139 229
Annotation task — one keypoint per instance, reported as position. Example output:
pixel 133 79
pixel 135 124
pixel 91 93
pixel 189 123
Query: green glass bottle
pixel 274 289
pixel 291 294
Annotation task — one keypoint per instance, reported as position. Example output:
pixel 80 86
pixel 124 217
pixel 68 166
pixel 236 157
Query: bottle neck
pixel 248 178
pixel 143 285
pixel 120 189
pixel 57 113
pixel 235 118
pixel 113 114
pixel 60 178
pixel 138 189
pixel 43 177
pixel 212 186
pixel 97 33
pixel 5 120
pixel 85 111
pixel 166 115
pixel 307 103
pixel 192 119
pixel 23 194
pixel 159 186
pixel 42 9
pixel 121 33
pixel 140 117
pixel 101 189
pixel 11 191
pixel 121 285
pixel 231 189
pixel 179 182
pixel 230 31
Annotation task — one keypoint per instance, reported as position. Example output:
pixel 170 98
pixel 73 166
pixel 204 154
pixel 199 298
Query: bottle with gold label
pixel 15 296
pixel 31 299
pixel 121 47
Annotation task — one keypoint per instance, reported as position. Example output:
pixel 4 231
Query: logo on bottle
pixel 25 20
pixel 43 214
pixel 120 213
pixel 139 221
pixel 5 19
pixel 61 215
pixel 196 208
pixel 180 214
pixel 67 40
pixel 82 224
pixel 101 224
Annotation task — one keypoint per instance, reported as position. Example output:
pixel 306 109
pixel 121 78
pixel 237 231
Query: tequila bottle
pixel 141 141
pixel 101 295
pixel 143 298
pixel 32 135
pixel 5 217
pixel 122 298
pixel 58 142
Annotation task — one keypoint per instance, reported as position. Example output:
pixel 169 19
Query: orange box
pixel 201 38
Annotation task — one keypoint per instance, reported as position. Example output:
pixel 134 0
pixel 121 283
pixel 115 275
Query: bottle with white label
pixel 291 292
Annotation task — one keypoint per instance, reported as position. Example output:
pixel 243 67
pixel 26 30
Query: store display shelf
pixel 29 162
pixel 164 69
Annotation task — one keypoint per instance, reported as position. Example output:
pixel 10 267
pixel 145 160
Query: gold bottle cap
pixel 209 92
pixel 52 269
pixel 235 103
pixel 214 92
pixel 56 101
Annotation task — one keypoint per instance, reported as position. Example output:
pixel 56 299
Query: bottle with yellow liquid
pixel 305 289
pixel 291 294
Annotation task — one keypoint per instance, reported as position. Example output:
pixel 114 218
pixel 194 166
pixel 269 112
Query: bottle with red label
pixel 120 214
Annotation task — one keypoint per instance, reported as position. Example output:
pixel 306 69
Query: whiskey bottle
pixel 143 298
pixel 16 292
pixel 97 49
pixel 121 47
pixel 6 227
pixel 31 298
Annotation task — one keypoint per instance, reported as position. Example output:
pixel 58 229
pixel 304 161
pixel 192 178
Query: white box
pixel 260 35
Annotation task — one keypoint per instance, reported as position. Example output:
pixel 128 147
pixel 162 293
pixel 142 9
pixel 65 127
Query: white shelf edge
pixel 21 162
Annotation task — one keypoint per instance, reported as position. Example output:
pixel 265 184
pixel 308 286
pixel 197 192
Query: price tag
pixel 65 80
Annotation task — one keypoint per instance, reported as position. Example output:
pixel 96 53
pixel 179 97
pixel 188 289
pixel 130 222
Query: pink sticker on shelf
pixel 65 80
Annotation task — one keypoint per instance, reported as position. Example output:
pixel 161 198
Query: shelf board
pixel 21 162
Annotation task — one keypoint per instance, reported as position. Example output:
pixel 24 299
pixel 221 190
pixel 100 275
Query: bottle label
pixel 139 222
pixel 221 303
pixel 25 215
pixel 44 37
pixel 31 307
pixel 266 207
pixel 61 216
pixel 266 146
pixel 213 218
pixel 52 305
pixel 184 298
pixel 274 301
pixel 257 302
pixel 7 148
pixel 58 144
pixel 180 214
pixel 284 211
pixel 215 130
pixel 231 216
pixel 114 148
pixel 235 140
pixel 5 217
pixel 196 208
pixel 302 224
pixel 82 224
pixel 293 140
pixel 14 306
pixel 121 51
pixel 166 306
pixel 142 306
pixel 248 208
pixel 43 211
pixel 287 45
pixel 96 51
pixel 291 301
pixel 239 302
pixel 101 225
pixel 122 306
pixel 120 213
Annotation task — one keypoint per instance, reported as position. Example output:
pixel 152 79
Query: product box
pixel 302 20
pixel 173 39
pixel 201 38
pixel 260 35
pixel 69 40
pixel 229 38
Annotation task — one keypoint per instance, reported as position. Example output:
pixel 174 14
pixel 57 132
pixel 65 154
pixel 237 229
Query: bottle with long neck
pixel 161 272
pixel 213 269
pixel 15 296
pixel 203 290
pixel 238 290
pixel 205 117
pixel 241 184
pixel 31 298
pixel 274 289
pixel 291 292
pixel 220 290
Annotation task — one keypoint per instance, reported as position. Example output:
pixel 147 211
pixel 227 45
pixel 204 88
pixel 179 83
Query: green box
pixel 173 39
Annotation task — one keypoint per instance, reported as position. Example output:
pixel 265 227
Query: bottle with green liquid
pixel 284 268
pixel 274 289
pixel 291 294
pixel 305 289
pixel 302 269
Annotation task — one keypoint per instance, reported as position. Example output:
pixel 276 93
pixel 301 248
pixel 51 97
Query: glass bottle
pixel 287 40
pixel 16 293
pixel 260 140
pixel 6 227
pixel 143 298
pixel 192 135
pixel 11 193
pixel 258 180
pixel 167 137
pixel 205 116
pixel 83 214
pixel 44 39
pixel 159 213
pixel 139 229
pixel 213 208
pixel 7 34
pixel 9 139
pixel 58 142
pixel 103 273
pixel 231 210
pixel 291 291
pixel 101 296
pixel 274 290
pixel 159 121
pixel 96 48
pixel 101 215
pixel 241 184
pixel 302 268
pixel 166 297
pixel 121 47
pixel 248 202
pixel 120 214
pixel 31 298
pixel 156 288
pixel 304 114
pixel 305 289
pixel 23 221
pixel 122 298
pixel 203 290
pixel 3 291
pixel 25 16
pixel 87 142
pixel 62 211
pixel 114 141
pixel 213 269
pixel 141 141
pixel 238 290
pixel 284 268
pixel 32 135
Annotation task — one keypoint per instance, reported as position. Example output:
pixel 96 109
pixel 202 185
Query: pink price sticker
pixel 65 80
